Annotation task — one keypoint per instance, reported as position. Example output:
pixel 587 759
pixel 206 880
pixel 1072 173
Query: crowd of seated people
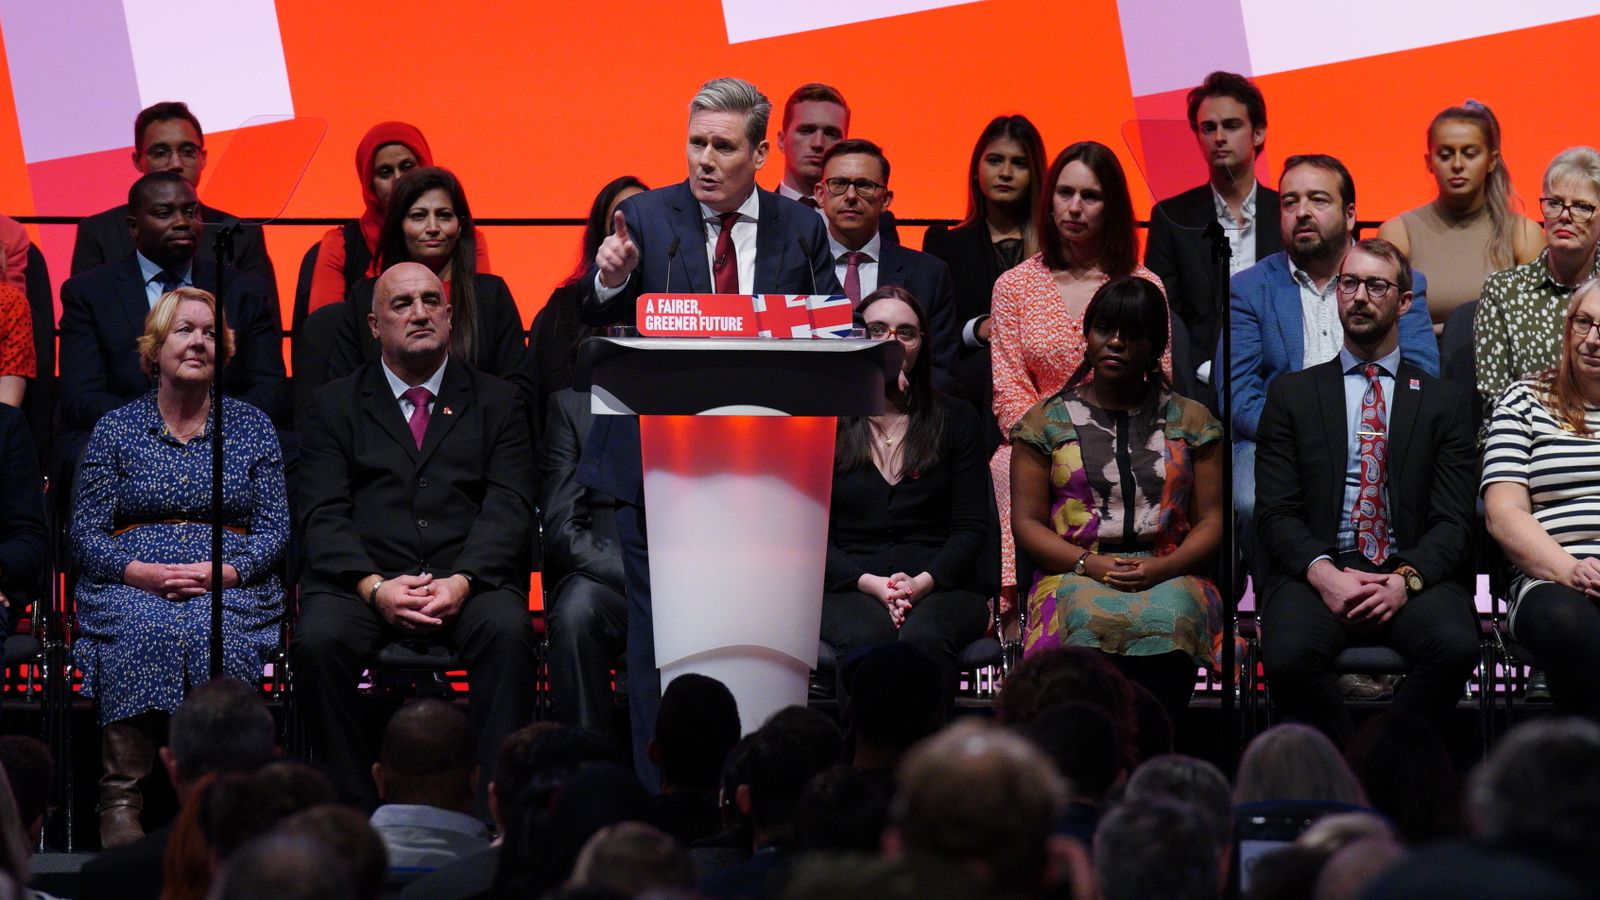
pixel 1035 342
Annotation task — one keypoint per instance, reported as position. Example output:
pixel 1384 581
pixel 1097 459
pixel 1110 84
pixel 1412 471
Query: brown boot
pixel 127 754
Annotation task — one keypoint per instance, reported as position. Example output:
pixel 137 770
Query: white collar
pixel 399 387
pixel 749 210
pixel 873 247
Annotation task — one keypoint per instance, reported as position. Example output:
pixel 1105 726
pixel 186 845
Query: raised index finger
pixel 619 225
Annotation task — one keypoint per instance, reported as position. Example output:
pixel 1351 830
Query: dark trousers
pixel 644 679
pixel 338 635
pixel 1436 631
pixel 1562 627
pixel 940 625
pixel 588 624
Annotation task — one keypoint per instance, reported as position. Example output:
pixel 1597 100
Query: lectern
pixel 736 436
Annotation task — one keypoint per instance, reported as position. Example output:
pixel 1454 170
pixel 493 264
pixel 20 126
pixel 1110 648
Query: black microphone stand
pixel 1221 253
pixel 223 251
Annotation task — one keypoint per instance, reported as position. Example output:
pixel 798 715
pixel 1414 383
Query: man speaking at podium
pixel 718 233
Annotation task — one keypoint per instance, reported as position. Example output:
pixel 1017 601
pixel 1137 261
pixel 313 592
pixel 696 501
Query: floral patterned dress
pixel 1121 483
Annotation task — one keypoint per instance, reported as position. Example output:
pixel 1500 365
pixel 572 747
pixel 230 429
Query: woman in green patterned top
pixel 1117 487
pixel 1517 328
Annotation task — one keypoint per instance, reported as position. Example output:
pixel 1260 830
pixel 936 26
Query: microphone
pixel 805 249
pixel 672 254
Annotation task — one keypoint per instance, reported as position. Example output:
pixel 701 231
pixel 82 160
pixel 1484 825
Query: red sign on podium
pixel 745 315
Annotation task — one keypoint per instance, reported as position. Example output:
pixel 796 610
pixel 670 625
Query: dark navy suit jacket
pixel 928 279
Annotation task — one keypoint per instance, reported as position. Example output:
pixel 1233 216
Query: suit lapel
pixel 770 237
pixel 891 266
pixel 131 295
pixel 1335 421
pixel 379 404
pixel 691 234
pixel 455 394
pixel 1268 237
pixel 1286 311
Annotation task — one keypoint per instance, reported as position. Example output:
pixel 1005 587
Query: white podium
pixel 736 438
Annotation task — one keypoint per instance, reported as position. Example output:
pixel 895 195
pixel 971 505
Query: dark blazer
pixel 102 317
pixel 371 502
pixel 22 534
pixel 130 872
pixel 928 279
pixel 792 257
pixel 974 268
pixel 104 237
pixel 1176 251
pixel 501 350
pixel 580 528
pixel 1301 454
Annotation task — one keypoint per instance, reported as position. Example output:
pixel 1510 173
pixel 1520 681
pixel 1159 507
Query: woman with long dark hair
pixel 1116 497
pixel 910 511
pixel 429 222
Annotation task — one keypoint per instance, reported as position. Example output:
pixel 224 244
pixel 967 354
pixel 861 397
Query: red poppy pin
pixel 1416 384
pixel 449 412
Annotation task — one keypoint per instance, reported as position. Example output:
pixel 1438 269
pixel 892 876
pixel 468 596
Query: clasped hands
pixel 1126 573
pixel 1362 600
pixel 1584 575
pixel 898 592
pixel 176 581
pixel 421 602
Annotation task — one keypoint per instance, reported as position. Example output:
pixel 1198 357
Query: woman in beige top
pixel 1469 230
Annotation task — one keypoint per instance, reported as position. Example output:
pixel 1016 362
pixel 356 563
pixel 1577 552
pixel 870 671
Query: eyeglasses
pixel 1553 207
pixel 1377 288
pixel 1582 325
pixel 160 153
pixel 905 334
pixel 866 190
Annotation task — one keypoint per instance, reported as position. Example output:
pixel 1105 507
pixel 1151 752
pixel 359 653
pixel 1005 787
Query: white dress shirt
pixel 866 269
pixel 152 277
pixel 400 387
pixel 1241 232
pixel 1320 330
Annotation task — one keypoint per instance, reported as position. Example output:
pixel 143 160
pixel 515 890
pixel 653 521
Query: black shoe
pixel 1538 690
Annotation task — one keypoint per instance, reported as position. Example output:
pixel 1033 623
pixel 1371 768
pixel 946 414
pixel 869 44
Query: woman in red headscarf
pixel 349 252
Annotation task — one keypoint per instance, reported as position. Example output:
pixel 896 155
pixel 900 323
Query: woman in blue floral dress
pixel 1116 484
pixel 141 539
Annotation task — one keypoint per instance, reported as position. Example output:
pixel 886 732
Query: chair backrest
pixel 302 288
pixel 40 400
pixel 309 354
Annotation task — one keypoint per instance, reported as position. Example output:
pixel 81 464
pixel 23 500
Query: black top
pixel 22 533
pixel 552 341
pixel 933 521
pixel 974 264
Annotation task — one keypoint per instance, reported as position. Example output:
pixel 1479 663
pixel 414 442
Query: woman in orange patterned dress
pixel 1086 237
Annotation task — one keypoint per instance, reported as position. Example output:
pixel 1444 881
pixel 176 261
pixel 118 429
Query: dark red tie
pixel 725 262
pixel 419 397
pixel 1370 517
pixel 852 274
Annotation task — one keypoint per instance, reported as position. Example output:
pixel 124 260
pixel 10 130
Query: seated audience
pixel 1357 557
pixel 19 361
pixel 101 309
pixel 141 541
pixel 349 252
pixel 1156 848
pixel 14 244
pixel 1193 782
pixel 632 859
pixel 167 138
pixel 854 195
pixel 1541 497
pixel 909 518
pixel 280 866
pixel 1121 566
pixel 1292 762
pixel 1060 675
pixel 1285 318
pixel 351 838
pixel 842 809
pixel 557 330
pixel 1405 770
pixel 1085 227
pixel 429 222
pixel 893 698
pixel 1228 117
pixel 983 799
pixel 542 848
pixel 222 726
pixel 427 781
pixel 696 727
pixel 22 528
pixel 420 431
pixel 1003 184
pixel 1081 739
pixel 586 614
pixel 1517 328
pixel 1534 805
pixel 1353 867
pixel 1468 230
pixel 27 762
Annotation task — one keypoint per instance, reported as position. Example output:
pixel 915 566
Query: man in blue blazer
pixel 717 232
pixel 859 172
pixel 1285 314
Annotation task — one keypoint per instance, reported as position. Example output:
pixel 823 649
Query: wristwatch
pixel 1413 580
pixel 1082 565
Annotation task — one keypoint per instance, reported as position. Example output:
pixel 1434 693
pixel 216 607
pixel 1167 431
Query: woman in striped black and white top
pixel 1541 489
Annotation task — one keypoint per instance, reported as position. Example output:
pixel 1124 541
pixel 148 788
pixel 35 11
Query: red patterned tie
pixel 852 275
pixel 725 262
pixel 419 397
pixel 1370 516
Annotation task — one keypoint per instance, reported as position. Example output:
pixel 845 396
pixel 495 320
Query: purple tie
pixel 852 274
pixel 419 398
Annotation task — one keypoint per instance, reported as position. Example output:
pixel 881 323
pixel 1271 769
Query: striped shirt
pixel 1560 469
